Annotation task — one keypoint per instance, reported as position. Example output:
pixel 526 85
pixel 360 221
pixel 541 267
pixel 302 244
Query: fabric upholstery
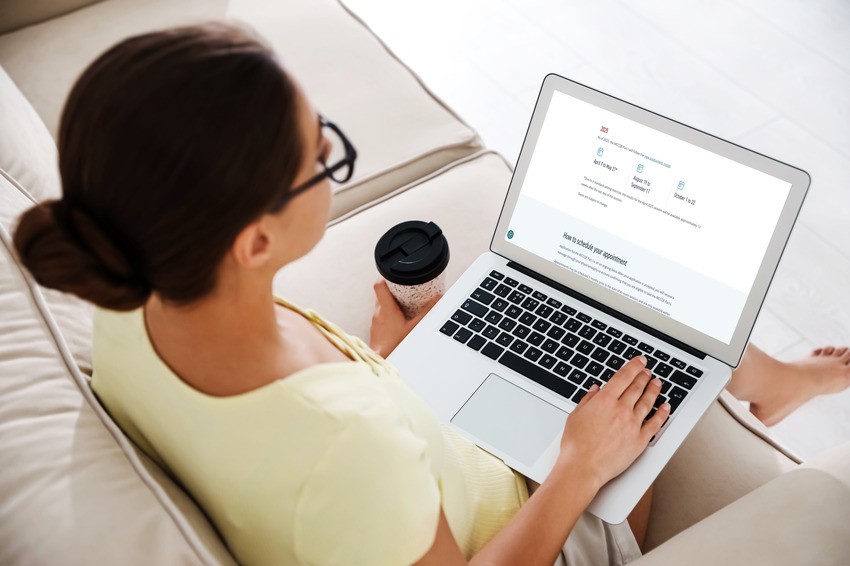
pixel 16 14
pixel 798 518
pixel 69 493
pixel 401 131
pixel 27 151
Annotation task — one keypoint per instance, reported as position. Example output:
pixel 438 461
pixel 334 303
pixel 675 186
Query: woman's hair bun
pixel 66 248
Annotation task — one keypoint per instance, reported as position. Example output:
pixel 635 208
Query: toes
pixel 817 352
pixel 828 351
pixel 841 351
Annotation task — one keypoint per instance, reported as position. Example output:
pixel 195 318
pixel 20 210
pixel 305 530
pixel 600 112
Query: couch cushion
pixel 335 278
pixel 27 151
pixel 401 131
pixel 73 489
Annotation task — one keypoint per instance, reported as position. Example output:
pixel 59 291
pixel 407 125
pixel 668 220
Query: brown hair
pixel 170 144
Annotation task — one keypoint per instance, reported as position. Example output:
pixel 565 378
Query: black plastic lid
pixel 412 253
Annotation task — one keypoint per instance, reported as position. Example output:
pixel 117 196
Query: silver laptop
pixel 623 233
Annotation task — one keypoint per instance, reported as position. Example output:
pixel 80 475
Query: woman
pixel 194 169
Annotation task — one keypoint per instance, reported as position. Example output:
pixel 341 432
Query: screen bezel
pixel 800 180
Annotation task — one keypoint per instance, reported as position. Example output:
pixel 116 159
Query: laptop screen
pixel 667 224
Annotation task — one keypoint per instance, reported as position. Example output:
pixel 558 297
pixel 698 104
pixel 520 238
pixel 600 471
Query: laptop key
pixel 461 317
pixel 577 376
pixel 547 361
pixel 462 335
pixel 663 369
pixel 599 324
pixel 584 317
pixel 600 355
pixel 614 332
pixel 573 325
pixel 477 324
pixel 537 374
pixel 570 340
pixel 663 356
pixel 585 347
pixel 694 371
pixel 489 284
pixel 518 346
pixel 564 353
pixel 491 332
pixel 678 363
pixel 591 381
pixel 540 296
pixel 544 310
pixel 525 289
pixel 602 340
pixel 607 374
pixel 549 346
pixel 617 347
pixel 483 296
pixel 615 362
pixel 579 395
pixel 449 328
pixel 502 290
pixel 587 332
pixel 499 305
pixel 683 379
pixel 675 398
pixel 569 310
pixel 542 325
pixel 496 275
pixel 650 362
pixel 513 311
pixel 646 347
pixel 492 350
pixel 507 324
pixel 631 352
pixel 558 318
pixel 535 338
pixel 594 368
pixel 521 331
pixel 665 386
pixel 562 369
pixel 556 332
pixel 474 307
pixel 527 319
pixel 493 317
pixel 555 304
pixel 530 304
pixel 476 342
pixel 516 297
pixel 504 339
pixel 630 340
pixel 579 361
pixel 533 354
pixel 511 282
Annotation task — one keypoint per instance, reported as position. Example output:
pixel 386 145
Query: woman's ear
pixel 252 247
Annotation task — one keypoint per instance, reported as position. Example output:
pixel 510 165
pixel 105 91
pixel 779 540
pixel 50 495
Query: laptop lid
pixel 668 225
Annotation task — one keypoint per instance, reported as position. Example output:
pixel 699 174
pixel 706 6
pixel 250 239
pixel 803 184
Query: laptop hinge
pixel 608 310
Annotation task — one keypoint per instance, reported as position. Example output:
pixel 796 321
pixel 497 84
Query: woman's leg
pixel 639 517
pixel 775 389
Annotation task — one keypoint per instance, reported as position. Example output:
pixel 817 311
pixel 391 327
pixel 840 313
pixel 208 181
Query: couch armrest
pixel 801 517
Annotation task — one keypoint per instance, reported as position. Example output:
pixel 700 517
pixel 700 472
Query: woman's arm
pixel 603 435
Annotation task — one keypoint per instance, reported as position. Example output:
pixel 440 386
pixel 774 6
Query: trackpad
pixel 511 419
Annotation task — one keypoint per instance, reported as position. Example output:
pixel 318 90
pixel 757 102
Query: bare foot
pixel 827 370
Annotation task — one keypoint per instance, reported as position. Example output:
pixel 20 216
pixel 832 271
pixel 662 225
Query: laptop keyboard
pixel 555 345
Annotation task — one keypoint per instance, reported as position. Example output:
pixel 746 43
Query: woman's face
pixel 302 221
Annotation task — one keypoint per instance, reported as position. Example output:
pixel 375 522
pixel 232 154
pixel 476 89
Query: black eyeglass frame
pixel 328 171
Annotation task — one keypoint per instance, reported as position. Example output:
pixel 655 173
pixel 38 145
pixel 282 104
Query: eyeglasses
pixel 340 172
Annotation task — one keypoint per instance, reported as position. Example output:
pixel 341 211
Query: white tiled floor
pixel 773 75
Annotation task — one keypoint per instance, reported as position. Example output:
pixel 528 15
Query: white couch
pixel 74 490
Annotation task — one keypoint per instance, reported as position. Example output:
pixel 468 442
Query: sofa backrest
pixel 73 489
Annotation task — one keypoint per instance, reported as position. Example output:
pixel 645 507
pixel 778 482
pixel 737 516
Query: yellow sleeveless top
pixel 339 463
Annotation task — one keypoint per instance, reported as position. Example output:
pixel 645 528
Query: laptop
pixel 623 233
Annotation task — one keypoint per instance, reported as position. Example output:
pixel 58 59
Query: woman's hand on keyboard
pixel 606 432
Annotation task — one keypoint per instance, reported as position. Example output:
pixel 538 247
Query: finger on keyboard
pixel 625 376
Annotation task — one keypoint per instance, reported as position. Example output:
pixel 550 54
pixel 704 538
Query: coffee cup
pixel 412 258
